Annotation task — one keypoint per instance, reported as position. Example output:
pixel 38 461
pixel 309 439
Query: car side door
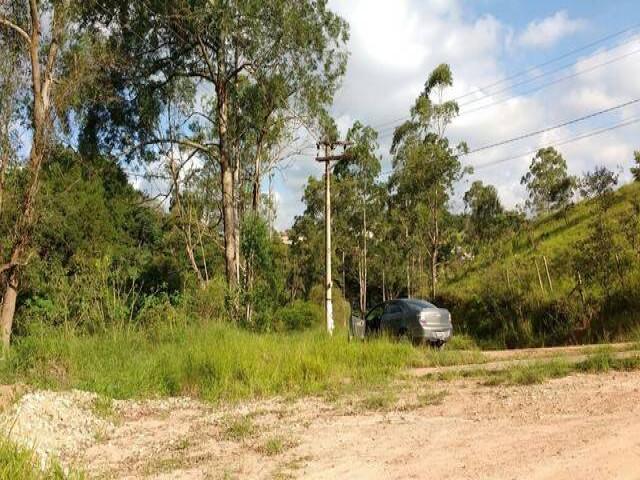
pixel 373 319
pixel 392 318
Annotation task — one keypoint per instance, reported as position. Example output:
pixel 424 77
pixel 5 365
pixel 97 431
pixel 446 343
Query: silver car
pixel 417 319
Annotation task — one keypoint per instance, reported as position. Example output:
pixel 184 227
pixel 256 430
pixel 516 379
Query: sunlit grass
pixel 215 362
pixel 19 463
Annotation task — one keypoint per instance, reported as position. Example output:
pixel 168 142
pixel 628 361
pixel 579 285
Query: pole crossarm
pixel 334 158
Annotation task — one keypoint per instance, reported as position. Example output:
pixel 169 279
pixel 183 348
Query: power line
pixel 390 125
pixel 554 127
pixel 531 69
pixel 553 60
pixel 541 75
pixel 554 82
pixel 561 142
pixel 535 89
pixel 539 87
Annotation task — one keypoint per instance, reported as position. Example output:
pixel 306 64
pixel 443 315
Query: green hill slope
pixel 591 291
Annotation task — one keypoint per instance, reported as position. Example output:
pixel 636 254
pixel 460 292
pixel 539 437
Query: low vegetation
pixel 430 398
pixel 21 463
pixel 504 297
pixel 542 370
pixel 381 400
pixel 237 428
pixel 218 362
pixel 274 446
pixel 212 361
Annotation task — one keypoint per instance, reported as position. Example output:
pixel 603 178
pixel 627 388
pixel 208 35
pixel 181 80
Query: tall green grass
pixel 19 463
pixel 212 361
pixel 216 362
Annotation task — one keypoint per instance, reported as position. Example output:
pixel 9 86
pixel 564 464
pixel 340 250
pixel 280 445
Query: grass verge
pixel 214 362
pixel 543 370
pixel 19 463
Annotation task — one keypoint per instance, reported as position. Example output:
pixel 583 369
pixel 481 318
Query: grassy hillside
pixel 594 269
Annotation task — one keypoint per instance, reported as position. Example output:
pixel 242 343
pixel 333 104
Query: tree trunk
pixel 435 246
pixel 184 222
pixel 4 162
pixel 229 221
pixel 361 299
pixel 362 263
pixel 238 213
pixel 255 197
pixel 408 281
pixel 384 296
pixel 433 263
pixel 228 190
pixel 9 306
pixel 41 90
pixel 194 265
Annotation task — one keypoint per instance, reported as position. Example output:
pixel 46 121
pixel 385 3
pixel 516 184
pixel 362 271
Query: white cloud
pixel 547 32
pixel 378 90
pixel 394 46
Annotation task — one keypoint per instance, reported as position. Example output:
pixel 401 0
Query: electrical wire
pixel 560 143
pixel 543 74
pixel 386 128
pixel 533 90
pixel 554 127
pixel 553 60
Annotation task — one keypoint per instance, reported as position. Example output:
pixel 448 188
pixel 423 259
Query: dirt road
pixel 577 427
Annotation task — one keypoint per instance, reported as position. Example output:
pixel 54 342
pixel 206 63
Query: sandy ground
pixel 578 427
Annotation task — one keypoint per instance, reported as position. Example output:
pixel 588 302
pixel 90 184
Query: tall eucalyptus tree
pixel 247 71
pixel 426 167
pixel 40 30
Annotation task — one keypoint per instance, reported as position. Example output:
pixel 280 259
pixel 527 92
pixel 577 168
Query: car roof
pixel 416 302
pixel 411 302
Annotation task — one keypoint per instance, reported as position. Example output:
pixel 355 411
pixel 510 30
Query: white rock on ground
pixel 54 424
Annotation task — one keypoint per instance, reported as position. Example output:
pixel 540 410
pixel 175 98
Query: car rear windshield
pixel 420 303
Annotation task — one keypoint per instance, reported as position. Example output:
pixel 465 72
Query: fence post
pixel 535 260
pixel 546 267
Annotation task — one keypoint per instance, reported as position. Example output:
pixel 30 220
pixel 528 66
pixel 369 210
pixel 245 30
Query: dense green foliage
pixel 186 285
pixel 549 185
pixel 503 296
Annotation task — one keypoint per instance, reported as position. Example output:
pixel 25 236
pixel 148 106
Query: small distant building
pixel 284 236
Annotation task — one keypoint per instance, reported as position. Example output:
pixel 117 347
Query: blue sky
pixel 601 18
pixel 396 43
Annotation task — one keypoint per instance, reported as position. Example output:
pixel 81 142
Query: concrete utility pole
pixel 327 159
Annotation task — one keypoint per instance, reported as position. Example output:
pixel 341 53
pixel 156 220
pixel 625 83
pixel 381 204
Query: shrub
pixel 210 301
pixel 461 342
pixel 299 315
pixel 341 308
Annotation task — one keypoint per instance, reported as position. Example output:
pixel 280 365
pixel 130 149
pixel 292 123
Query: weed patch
pixel 17 462
pixel 605 361
pixel 275 446
pixel 237 428
pixel 103 407
pixel 215 362
pixel 432 398
pixel 378 401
